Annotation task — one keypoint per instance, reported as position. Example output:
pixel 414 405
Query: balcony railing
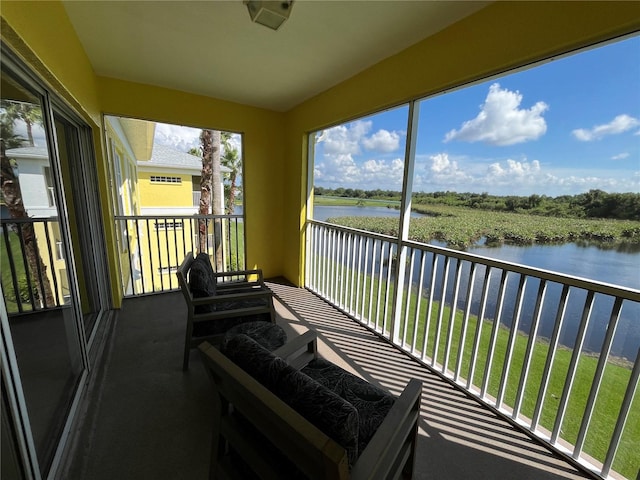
pixel 537 347
pixel 33 265
pixel 151 248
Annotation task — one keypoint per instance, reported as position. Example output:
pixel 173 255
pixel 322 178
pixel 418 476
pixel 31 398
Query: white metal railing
pixel 33 265
pixel 152 247
pixel 520 339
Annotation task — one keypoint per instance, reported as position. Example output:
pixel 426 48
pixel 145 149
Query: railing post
pixel 405 217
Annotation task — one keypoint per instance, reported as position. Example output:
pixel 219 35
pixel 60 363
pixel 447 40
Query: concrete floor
pixel 147 419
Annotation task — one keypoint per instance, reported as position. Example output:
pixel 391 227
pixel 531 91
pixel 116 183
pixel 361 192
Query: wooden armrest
pixel 236 312
pixel 239 273
pixel 233 296
pixel 391 439
pixel 299 351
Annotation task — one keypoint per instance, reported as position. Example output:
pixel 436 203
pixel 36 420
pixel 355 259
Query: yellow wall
pixel 165 194
pixel 264 168
pixel 500 37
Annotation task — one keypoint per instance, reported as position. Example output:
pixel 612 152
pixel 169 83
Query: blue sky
pixel 563 127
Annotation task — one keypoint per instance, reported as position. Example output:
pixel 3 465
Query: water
pixel 322 212
pixel 619 266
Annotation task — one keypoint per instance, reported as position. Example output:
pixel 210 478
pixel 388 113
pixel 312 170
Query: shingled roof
pixel 164 155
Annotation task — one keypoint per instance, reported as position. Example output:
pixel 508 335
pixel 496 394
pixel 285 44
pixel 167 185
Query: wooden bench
pixel 260 429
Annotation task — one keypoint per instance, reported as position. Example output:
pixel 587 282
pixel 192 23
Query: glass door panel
pixel 85 236
pixel 35 273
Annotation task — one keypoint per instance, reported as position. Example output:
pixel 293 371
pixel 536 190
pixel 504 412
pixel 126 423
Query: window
pixel 169 225
pixel 164 179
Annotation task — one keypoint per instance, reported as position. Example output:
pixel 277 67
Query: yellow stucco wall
pixel 264 167
pixel 500 37
pixel 165 194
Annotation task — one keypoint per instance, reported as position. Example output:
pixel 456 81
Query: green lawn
pixel 614 383
pixel 5 269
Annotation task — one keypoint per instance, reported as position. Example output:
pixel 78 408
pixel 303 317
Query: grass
pixel 7 281
pixel 236 259
pixel 460 227
pixel 607 406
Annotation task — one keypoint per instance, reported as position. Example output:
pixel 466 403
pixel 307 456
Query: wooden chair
pixel 217 301
pixel 258 431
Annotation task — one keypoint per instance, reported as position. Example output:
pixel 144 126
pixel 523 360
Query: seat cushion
pixel 371 402
pixel 330 413
pixel 267 334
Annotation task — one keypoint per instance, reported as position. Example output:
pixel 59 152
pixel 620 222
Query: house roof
pixel 165 156
pixel 28 152
pixel 213 48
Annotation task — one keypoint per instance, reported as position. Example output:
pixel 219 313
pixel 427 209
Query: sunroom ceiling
pixel 212 47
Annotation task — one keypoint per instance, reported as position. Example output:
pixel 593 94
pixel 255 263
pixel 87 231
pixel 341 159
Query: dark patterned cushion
pixel 372 403
pixel 267 334
pixel 202 282
pixel 333 415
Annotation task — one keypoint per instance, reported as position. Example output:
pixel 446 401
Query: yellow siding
pixel 165 194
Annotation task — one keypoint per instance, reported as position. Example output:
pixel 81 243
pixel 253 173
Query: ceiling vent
pixel 271 14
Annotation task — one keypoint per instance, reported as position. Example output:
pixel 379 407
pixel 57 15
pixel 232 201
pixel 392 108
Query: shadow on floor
pixel 147 419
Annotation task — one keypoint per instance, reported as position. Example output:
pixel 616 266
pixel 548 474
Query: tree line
pixel 593 204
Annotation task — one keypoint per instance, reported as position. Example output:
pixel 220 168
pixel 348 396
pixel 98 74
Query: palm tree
pixel 211 191
pixel 231 159
pixel 29 113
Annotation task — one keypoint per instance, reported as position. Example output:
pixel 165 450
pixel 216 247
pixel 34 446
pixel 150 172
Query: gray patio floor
pixel 147 419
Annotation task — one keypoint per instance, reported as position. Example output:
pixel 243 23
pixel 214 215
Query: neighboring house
pixel 36 184
pixel 169 182
pixel 36 181
pixel 151 180
pixel 169 188
pixel 128 140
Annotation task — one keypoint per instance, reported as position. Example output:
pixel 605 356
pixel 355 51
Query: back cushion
pixel 332 415
pixel 202 282
pixel 371 402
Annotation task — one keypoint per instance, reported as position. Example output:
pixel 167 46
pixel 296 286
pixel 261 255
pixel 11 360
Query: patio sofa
pixel 290 414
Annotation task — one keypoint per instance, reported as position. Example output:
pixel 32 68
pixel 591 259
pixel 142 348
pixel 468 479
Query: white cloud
pixel 620 124
pixel 513 171
pixel 343 139
pixel 382 141
pixel 514 177
pixel 439 171
pixel 343 171
pixel 181 138
pixel 184 138
pixel 620 156
pixel 351 138
pixel 338 167
pixel 501 121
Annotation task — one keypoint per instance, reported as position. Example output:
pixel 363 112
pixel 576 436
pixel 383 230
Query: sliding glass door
pixel 53 271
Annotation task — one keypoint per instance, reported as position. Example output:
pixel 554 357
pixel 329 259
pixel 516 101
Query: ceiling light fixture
pixel 271 14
